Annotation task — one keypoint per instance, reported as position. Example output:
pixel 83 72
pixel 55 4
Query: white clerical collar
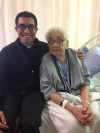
pixel 28 46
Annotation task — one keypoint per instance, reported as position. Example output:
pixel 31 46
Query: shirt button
pixel 32 71
pixel 23 92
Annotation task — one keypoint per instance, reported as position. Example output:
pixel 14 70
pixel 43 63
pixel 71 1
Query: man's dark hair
pixel 26 14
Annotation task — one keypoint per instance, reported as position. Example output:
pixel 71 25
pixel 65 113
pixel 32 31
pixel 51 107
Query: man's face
pixel 26 30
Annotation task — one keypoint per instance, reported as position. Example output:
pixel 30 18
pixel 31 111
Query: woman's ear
pixel 67 43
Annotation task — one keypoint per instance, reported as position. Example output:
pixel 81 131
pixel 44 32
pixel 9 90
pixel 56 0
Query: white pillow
pixel 92 60
pixel 95 86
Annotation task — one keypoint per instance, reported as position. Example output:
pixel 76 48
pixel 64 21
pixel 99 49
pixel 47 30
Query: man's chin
pixel 27 43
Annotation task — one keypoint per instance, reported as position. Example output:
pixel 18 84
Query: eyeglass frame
pixel 58 42
pixel 23 26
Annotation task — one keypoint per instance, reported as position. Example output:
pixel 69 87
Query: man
pixel 19 78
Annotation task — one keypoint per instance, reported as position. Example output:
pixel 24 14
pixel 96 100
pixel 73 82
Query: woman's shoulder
pixel 72 51
pixel 46 57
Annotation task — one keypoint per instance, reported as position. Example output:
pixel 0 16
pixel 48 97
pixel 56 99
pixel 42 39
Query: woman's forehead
pixel 54 35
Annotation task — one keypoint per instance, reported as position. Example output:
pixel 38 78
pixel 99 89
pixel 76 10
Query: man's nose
pixel 26 29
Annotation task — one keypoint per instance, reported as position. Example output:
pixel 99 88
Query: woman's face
pixel 57 44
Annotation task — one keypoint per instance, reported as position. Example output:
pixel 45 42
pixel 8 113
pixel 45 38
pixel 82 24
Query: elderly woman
pixel 65 84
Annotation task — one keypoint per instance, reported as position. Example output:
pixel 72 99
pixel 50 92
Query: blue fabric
pixel 64 70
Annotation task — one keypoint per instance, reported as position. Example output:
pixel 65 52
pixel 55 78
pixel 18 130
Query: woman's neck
pixel 62 58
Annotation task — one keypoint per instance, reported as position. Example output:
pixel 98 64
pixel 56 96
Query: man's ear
pixel 36 29
pixel 16 29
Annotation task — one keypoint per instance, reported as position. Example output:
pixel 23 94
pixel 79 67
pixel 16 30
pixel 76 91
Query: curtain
pixel 80 18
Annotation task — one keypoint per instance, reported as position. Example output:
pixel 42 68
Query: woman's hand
pixel 85 95
pixel 77 111
pixel 87 110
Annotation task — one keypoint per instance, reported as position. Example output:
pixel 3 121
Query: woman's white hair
pixel 56 29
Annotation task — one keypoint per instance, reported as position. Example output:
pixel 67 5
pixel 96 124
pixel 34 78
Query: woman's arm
pixel 85 96
pixel 85 93
pixel 76 111
pixel 46 80
pixel 56 98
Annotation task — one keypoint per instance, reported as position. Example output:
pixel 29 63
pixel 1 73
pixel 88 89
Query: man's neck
pixel 28 45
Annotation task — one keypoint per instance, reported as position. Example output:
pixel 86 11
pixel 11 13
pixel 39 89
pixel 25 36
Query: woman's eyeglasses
pixel 59 41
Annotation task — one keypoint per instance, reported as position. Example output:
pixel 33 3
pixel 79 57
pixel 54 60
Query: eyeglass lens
pixel 23 26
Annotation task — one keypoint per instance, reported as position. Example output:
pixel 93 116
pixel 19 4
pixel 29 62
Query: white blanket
pixel 56 119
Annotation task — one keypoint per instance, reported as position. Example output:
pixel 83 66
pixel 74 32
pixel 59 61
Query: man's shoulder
pixel 41 45
pixel 8 47
pixel 8 51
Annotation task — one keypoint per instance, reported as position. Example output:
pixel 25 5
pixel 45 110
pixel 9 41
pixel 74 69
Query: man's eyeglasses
pixel 23 26
pixel 59 41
